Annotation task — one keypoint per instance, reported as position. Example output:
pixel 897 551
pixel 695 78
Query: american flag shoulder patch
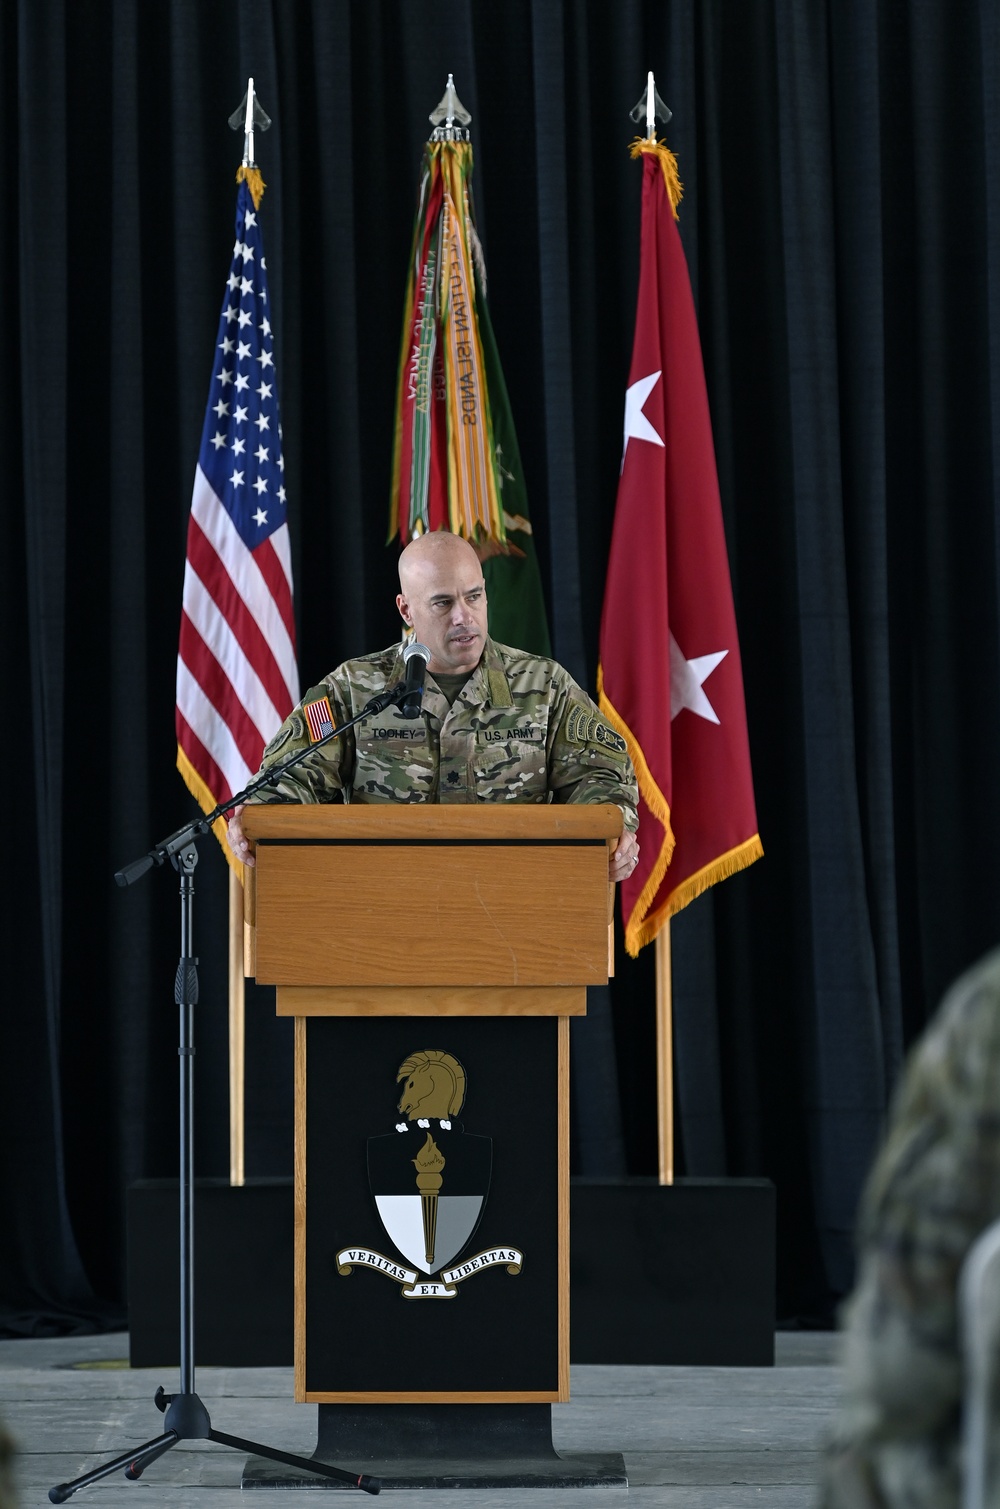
pixel 319 717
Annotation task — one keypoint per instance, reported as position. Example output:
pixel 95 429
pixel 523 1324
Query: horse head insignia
pixel 434 1086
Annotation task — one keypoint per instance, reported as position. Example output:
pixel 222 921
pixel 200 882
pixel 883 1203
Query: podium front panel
pixel 432 1265
pixel 432 913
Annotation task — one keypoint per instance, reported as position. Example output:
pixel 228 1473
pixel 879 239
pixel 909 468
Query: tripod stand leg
pixel 307 1464
pixel 143 1455
pixel 149 1454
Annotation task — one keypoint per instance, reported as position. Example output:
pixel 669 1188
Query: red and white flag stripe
pixel 237 677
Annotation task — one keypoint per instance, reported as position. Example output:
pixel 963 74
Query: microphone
pixel 415 658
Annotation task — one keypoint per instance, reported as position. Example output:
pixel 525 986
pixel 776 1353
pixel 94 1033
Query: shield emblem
pixel 430 1185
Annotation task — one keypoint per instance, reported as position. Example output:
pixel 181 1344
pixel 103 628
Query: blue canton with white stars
pixel 241 443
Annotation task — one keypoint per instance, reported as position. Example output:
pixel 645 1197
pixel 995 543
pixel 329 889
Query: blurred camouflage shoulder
pixel 934 1188
pixel 945 1114
pixel 8 1499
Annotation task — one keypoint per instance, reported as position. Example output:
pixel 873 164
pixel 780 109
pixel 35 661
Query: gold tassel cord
pixel 251 176
pixel 668 163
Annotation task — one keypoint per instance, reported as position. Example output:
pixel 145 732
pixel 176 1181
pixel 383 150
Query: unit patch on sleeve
pixel 584 726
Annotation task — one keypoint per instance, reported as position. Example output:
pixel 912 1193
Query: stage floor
pixel 692 1438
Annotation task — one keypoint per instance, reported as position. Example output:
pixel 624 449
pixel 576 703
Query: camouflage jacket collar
pixel 489 679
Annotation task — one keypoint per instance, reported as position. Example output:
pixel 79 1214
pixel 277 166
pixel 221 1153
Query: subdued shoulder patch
pixel 288 730
pixel 584 726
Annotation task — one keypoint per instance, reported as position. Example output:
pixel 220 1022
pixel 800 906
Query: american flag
pixel 237 677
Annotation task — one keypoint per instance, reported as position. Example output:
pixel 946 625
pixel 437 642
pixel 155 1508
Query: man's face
pixel 444 602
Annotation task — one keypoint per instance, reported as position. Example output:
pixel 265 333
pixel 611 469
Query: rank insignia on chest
pixel 319 719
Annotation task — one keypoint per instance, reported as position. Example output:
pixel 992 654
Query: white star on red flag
pixel 637 426
pixel 687 678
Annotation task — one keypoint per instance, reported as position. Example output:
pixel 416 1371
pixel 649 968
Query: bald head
pixel 433 553
pixel 442 597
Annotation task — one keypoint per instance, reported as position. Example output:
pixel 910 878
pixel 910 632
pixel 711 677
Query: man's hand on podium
pixel 238 841
pixel 624 857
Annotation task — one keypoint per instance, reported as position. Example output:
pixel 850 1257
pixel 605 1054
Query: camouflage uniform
pixel 934 1188
pixel 520 730
pixel 8 1499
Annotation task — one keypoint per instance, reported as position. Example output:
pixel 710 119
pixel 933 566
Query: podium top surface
pixel 425 822
pixel 493 895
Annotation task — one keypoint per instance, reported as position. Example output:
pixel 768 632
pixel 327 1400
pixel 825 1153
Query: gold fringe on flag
pixel 637 924
pixel 206 801
pixel 668 162
pixel 642 926
pixel 251 176
pixel 720 869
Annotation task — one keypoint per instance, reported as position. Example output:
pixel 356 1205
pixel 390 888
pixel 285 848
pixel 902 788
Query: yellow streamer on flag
pixel 472 490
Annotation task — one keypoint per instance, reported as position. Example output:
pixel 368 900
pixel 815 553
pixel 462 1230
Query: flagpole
pixel 248 127
pixel 664 975
pixel 237 1033
pixel 237 989
pixel 664 1056
pixel 698 823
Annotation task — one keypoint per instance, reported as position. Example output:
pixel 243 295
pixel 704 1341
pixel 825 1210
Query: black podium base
pixel 681 1274
pixel 444 1446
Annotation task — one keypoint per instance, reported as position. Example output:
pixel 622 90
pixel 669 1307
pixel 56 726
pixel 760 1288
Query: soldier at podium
pixel 498 724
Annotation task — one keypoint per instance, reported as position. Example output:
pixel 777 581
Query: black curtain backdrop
pixel 841 162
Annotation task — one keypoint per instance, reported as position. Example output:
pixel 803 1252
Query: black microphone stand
pixel 186 1418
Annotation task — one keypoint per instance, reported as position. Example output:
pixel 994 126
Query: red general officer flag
pixel 670 677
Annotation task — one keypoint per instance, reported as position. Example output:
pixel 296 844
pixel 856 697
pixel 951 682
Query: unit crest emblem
pixel 430 1180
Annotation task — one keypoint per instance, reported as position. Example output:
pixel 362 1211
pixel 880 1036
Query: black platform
pixel 445 1446
pixel 243 1273
pixel 681 1275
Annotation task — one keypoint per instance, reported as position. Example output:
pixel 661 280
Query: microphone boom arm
pixel 171 846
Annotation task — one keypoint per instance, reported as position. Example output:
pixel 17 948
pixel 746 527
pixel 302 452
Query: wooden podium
pixel 432 957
